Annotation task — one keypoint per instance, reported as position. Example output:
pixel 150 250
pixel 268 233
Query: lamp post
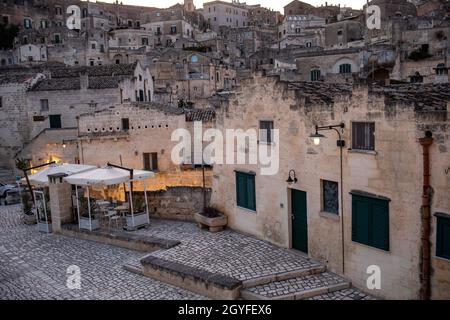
pixel 341 144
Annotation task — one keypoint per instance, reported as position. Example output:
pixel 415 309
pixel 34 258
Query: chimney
pixel 84 80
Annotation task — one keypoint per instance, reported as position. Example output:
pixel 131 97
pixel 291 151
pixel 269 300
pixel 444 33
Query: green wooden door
pixel 299 221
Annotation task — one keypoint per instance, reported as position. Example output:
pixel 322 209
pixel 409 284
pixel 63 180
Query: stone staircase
pixel 296 286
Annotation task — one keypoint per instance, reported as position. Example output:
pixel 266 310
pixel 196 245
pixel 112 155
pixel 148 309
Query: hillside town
pixel 329 175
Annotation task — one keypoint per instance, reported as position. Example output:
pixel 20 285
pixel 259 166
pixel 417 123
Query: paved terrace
pixel 33 266
pixel 228 252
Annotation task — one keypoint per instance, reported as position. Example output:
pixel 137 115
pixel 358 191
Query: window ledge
pixel 370 247
pixel 372 152
pixel 441 258
pixel 246 209
pixel 267 143
pixel 329 215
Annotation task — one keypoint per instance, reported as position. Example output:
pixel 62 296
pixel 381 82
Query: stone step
pixel 345 294
pixel 297 288
pixel 133 268
pixel 283 276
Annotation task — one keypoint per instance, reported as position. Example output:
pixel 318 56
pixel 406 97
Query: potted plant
pixel 211 218
pixel 139 217
pixel 88 223
pixel 27 209
pixel 44 213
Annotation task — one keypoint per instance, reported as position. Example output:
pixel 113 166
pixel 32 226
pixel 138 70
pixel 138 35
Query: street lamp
pixel 341 144
pixel 317 136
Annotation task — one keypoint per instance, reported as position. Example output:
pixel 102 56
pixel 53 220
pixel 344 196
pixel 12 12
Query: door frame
pixel 289 196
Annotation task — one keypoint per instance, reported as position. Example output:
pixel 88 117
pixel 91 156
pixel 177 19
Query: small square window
pixel 363 135
pixel 150 161
pixel 44 105
pixel 266 131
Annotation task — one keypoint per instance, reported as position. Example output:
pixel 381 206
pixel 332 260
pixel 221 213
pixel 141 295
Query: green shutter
pixel 240 189
pixel 245 190
pixel 443 238
pixel 370 221
pixel 360 220
pixel 251 192
pixel 379 225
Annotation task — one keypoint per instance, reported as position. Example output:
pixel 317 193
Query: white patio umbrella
pixel 40 178
pixel 105 177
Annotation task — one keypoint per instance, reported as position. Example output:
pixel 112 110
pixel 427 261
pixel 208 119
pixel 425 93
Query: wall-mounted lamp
pixel 64 145
pixel 292 177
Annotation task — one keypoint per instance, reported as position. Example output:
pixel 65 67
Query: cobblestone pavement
pixel 227 252
pixel 314 281
pixel 33 266
pixel 346 294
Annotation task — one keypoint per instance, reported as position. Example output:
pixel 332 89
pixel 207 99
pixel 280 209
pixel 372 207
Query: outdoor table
pixel 123 209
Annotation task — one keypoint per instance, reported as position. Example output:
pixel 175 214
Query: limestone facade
pixel 393 170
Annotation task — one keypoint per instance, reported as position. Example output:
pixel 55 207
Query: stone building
pixel 190 75
pixel 368 212
pixel 295 24
pixel 67 92
pixel 262 17
pixel 340 34
pixel 229 14
pixel 13 111
pixel 327 12
pixel 423 55
pixel 330 65
pixel 42 105
pixel 139 135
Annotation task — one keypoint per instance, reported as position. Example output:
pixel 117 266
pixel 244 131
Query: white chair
pixel 113 218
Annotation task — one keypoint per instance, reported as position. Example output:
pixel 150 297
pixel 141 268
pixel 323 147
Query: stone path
pixel 34 266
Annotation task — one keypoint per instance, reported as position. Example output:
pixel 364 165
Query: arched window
pixel 194 58
pixel 345 68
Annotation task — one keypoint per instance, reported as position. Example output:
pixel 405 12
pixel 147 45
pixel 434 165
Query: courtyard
pixel 34 265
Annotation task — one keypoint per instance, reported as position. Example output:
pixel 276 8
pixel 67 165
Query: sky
pixel 273 4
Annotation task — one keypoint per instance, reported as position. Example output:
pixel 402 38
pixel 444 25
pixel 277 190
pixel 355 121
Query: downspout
pixel 425 264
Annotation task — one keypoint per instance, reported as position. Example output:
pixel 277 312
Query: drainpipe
pixel 425 267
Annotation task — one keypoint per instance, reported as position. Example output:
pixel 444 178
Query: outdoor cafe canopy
pixel 41 177
pixel 109 175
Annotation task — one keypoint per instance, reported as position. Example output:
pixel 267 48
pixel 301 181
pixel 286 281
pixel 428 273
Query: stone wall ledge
pixel 210 284
pixel 120 238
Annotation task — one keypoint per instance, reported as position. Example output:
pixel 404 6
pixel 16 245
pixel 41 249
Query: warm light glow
pixel 64 145
pixel 316 141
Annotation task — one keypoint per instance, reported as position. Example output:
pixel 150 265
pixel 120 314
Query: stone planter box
pixel 84 224
pixel 44 227
pixel 214 224
pixel 140 220
pixel 29 219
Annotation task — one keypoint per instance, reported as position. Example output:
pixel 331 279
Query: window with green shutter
pixel 443 235
pixel 370 221
pixel 245 190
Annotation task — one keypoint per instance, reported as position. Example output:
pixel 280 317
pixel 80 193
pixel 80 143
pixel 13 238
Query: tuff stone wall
pixel 180 203
pixel 394 171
